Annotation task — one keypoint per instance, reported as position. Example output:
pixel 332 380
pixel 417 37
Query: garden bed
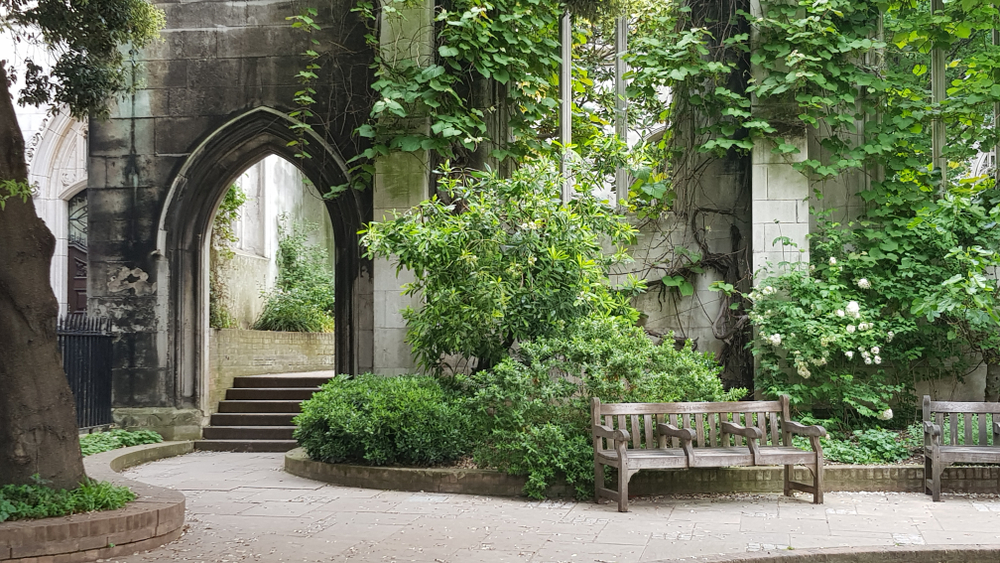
pixel 153 519
pixel 882 478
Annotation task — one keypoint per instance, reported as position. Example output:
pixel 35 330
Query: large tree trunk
pixel 993 379
pixel 38 433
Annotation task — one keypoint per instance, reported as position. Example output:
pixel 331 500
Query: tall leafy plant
pixel 499 261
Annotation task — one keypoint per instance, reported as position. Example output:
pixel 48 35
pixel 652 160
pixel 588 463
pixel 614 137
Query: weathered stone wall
pixel 213 98
pixel 233 353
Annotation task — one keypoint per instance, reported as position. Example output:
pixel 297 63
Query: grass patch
pixel 99 442
pixel 21 502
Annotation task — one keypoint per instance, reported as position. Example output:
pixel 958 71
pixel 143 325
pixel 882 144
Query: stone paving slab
pixel 244 507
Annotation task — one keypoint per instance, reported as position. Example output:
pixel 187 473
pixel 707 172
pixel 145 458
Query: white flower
pixel 868 361
pixel 840 312
pixel 853 309
pixel 819 362
pixel 864 326
pixel 769 290
pixel 849 354
pixel 850 329
pixel 863 283
pixel 889 335
pixel 878 360
pixel 804 371
pixel 524 226
pixel 833 261
pixel 775 339
pixel 876 349
pixel 885 415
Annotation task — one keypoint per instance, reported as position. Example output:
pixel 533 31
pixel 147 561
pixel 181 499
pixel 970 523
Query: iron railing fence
pixel 86 345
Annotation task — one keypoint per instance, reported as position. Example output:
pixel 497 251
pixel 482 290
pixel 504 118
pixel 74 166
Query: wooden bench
pixel 636 436
pixel 944 443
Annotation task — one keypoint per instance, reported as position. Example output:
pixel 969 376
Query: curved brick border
pixel 975 553
pixel 153 519
pixel 905 478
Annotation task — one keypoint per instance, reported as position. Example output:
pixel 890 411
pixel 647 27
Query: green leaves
pixel 516 264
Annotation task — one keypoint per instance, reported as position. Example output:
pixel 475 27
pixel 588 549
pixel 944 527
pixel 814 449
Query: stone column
pixel 780 205
pixel 401 181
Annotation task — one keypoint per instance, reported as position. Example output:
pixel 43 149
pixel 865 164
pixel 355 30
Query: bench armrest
pixel 798 429
pixel 931 429
pixel 685 434
pixel 601 431
pixel 996 427
pixel 739 430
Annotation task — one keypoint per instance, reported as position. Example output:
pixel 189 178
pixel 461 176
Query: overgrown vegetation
pixel 500 261
pixel 303 297
pixel 21 502
pixel 534 407
pixel 99 442
pixel 223 237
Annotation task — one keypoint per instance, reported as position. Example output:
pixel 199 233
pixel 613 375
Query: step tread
pixel 268 419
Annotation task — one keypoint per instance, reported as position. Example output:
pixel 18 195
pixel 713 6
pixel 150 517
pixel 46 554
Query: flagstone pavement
pixel 244 507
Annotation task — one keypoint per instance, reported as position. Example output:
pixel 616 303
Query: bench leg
pixel 598 479
pixel 788 479
pixel 623 475
pixel 818 481
pixel 936 472
pixel 928 473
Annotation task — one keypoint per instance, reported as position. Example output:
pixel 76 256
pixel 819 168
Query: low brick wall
pixel 905 478
pixel 153 519
pixel 233 353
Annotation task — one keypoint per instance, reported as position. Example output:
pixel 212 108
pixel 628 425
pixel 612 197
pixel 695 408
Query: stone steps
pixel 257 413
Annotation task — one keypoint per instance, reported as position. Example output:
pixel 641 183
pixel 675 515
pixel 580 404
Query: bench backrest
pixel 705 418
pixel 969 424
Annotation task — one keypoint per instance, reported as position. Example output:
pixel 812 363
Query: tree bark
pixel 38 432
pixel 993 380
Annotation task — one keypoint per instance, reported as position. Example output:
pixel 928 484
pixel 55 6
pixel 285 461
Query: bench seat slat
pixel 723 457
pixel 970 454
pixel 785 455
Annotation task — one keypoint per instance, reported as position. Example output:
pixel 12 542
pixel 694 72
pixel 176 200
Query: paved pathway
pixel 243 507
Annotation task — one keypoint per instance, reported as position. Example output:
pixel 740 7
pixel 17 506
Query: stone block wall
pixel 233 353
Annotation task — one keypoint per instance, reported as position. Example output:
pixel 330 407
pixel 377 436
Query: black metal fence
pixel 86 345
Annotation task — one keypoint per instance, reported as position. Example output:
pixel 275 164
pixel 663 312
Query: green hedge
pixel 376 420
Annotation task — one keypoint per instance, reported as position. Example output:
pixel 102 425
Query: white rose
pixel 804 371
pixel 885 415
pixel 878 360
pixel 849 354
pixel 889 335
pixel 850 329
pixel 863 283
pixel 775 339
pixel 876 349
pixel 833 261
pixel 840 312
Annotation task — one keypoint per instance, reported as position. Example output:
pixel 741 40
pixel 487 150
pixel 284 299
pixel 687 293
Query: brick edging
pixel 153 519
pixel 898 478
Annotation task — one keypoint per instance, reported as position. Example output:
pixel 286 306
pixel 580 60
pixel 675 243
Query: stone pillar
pixel 780 205
pixel 401 181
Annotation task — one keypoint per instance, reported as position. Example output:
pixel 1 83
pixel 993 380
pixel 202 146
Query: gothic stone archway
pixel 211 100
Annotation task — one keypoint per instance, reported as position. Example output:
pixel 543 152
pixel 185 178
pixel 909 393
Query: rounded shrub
pixel 378 420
